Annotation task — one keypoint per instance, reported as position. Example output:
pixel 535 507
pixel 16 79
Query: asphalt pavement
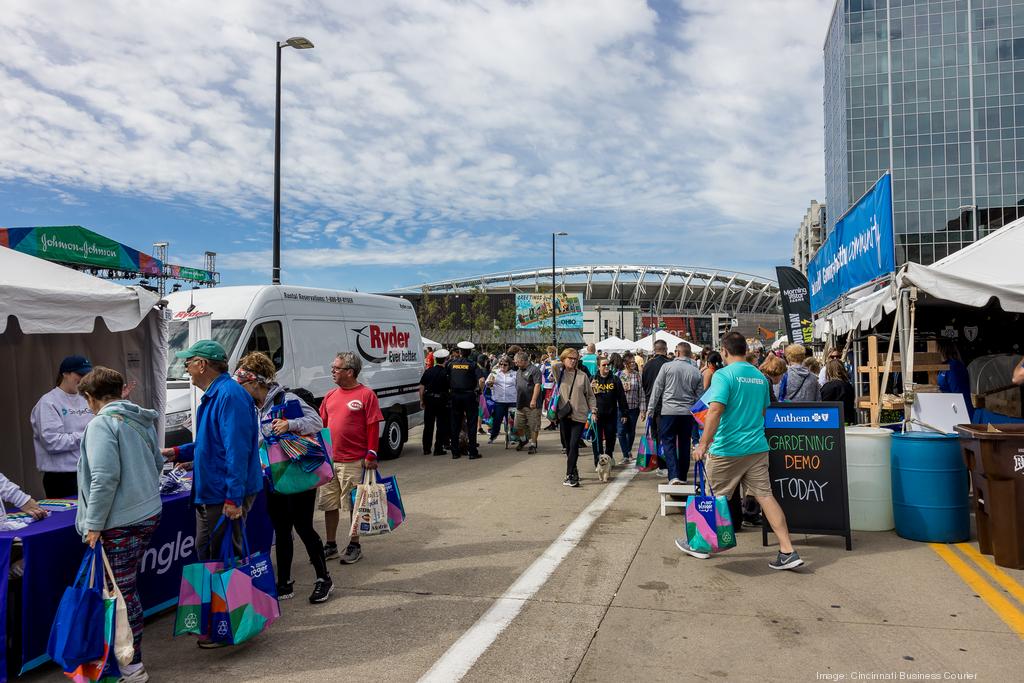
pixel 502 574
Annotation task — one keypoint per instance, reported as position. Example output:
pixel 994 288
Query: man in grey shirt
pixel 676 389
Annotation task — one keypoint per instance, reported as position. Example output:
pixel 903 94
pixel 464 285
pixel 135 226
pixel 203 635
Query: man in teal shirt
pixel 735 446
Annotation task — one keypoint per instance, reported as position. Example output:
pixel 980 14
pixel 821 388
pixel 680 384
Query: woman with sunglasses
pixel 502 383
pixel 256 374
pixel 575 392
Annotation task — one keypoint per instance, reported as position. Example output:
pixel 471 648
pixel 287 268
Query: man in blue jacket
pixel 226 473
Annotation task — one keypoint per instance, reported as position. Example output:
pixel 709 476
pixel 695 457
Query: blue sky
pixel 422 139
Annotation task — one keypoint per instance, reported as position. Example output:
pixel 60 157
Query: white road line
pixel 461 656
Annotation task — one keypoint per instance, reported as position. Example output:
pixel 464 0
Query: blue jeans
pixel 673 430
pixel 498 417
pixel 627 431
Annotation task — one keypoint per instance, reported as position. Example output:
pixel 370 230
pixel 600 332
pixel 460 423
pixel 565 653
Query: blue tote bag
pixel 76 636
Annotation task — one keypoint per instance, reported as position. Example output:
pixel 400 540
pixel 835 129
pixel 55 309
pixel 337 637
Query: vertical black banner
pixel 796 304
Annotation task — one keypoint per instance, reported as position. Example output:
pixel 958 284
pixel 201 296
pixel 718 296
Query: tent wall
pixel 29 364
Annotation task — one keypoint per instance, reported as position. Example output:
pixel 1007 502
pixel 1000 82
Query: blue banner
pixel 860 249
pixel 780 416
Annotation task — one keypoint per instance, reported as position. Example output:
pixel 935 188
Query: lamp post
pixel 600 327
pixel 554 315
pixel 298 43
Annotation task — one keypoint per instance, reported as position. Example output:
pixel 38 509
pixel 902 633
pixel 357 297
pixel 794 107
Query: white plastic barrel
pixel 869 478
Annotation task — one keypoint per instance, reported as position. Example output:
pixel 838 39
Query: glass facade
pixel 934 90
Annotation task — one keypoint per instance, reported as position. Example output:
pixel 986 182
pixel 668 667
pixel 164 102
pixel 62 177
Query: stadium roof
pixel 696 290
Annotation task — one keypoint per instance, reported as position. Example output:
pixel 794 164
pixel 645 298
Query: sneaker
pixel 532 449
pixel 286 591
pixel 353 553
pixel 685 547
pixel 456 456
pixel 210 645
pixel 490 441
pixel 786 561
pixel 661 473
pixel 574 481
pixel 567 481
pixel 330 551
pixel 475 457
pixel 322 590
pixel 676 482
pixel 137 676
pixel 520 446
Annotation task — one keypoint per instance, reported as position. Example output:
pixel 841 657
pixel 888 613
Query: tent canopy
pixel 430 342
pixel 647 343
pixel 613 344
pixel 48 298
pixel 986 269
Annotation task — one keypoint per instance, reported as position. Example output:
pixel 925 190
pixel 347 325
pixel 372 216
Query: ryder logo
pixel 377 344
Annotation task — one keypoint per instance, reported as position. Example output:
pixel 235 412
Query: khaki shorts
pixel 726 473
pixel 528 420
pixel 334 494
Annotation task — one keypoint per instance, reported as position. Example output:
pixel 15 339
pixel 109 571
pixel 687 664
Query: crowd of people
pixel 93 442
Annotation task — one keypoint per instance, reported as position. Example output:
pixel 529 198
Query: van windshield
pixel 224 331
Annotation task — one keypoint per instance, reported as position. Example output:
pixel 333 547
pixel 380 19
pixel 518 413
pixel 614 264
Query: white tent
pixel 48 312
pixel 987 269
pixel 430 342
pixel 647 343
pixel 615 345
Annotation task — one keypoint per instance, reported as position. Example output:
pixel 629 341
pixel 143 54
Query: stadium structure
pixel 628 301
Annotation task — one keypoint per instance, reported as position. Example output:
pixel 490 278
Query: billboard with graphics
pixel 533 311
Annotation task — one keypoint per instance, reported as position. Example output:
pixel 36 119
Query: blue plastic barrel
pixel 930 499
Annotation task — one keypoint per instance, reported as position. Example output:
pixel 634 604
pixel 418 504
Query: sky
pixel 422 140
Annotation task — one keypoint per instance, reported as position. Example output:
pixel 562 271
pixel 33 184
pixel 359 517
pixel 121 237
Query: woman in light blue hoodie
pixel 119 490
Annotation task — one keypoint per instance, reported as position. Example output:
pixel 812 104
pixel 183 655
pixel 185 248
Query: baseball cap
pixel 204 348
pixel 79 364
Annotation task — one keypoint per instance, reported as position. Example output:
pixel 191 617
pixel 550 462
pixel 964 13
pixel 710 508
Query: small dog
pixel 604 467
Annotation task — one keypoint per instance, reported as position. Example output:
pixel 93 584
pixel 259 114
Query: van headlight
pixel 179 420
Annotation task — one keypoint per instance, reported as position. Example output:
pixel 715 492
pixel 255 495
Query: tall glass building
pixel 934 90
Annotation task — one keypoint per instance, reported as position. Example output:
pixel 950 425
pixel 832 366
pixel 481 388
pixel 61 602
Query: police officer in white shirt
pixel 58 423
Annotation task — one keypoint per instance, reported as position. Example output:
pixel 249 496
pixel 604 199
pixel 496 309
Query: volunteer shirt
pixel 58 423
pixel 352 416
pixel 743 390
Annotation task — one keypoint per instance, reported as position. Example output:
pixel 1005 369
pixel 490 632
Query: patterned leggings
pixel 124 547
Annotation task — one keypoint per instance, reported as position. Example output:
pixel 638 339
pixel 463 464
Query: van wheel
pixel 393 438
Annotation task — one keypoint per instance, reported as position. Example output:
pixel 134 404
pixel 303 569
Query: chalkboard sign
pixel 807 468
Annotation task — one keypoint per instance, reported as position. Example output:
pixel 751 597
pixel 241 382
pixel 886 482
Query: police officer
pixel 434 397
pixel 466 381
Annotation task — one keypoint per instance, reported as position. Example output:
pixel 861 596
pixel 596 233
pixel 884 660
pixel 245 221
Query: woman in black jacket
pixel 837 387
pixel 611 404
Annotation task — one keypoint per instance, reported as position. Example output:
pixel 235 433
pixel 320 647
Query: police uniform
pixel 435 405
pixel 464 379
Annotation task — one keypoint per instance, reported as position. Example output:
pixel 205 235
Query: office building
pixel 934 90
pixel 808 236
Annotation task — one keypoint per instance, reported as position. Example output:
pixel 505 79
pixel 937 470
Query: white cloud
pixel 413 115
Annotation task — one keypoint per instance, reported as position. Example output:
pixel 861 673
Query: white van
pixel 302 330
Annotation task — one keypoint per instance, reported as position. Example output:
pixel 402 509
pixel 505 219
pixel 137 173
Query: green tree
pixel 480 310
pixel 431 310
pixel 507 317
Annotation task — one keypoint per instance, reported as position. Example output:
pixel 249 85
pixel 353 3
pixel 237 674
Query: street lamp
pixel 298 43
pixel 600 327
pixel 554 317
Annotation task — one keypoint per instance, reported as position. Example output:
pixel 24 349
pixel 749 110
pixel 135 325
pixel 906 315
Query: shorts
pixel 528 419
pixel 725 473
pixel 334 494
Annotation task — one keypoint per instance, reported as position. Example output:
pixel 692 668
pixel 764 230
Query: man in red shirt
pixel 352 414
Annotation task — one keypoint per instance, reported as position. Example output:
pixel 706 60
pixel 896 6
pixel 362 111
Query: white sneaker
pixel 138 676
pixel 676 482
pixel 685 547
pixel 662 473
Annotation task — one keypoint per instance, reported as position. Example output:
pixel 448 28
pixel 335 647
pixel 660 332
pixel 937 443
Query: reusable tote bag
pixel 194 595
pixel 370 513
pixel 646 453
pixel 117 635
pixel 295 463
pixel 396 508
pixel 708 524
pixel 243 601
pixel 77 634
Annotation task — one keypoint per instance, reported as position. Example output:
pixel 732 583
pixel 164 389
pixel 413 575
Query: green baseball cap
pixel 204 348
